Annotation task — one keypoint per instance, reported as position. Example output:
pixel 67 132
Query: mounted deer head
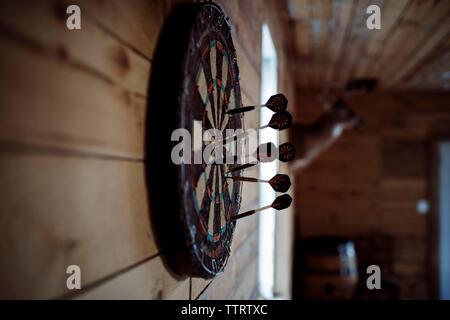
pixel 344 116
pixel 313 139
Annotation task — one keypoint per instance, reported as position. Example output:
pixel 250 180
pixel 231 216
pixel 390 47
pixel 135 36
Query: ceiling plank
pixel 397 35
pixel 333 43
pixel 298 10
pixel 303 53
pixel 301 12
pixel 320 33
pixel 355 42
pixel 434 74
pixel 413 31
pixel 341 16
pixel 390 13
pixel 422 54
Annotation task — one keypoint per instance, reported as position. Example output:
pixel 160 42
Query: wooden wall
pixel 73 191
pixel 366 185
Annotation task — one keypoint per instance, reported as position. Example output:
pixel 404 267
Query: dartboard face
pixel 210 88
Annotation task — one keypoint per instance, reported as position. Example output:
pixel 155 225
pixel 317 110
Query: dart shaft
pixel 244 166
pixel 230 138
pixel 239 110
pixel 249 213
pixel 245 109
pixel 247 179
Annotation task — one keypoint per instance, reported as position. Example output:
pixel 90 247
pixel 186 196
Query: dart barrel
pixel 329 268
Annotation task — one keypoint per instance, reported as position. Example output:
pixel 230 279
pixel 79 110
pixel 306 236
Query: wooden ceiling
pixel 333 44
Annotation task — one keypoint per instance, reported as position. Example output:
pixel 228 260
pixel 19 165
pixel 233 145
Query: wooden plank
pixel 313 226
pixel 51 103
pixel 341 171
pixel 248 287
pixel 396 189
pixel 399 162
pixel 428 63
pixel 391 12
pixel 341 18
pixel 244 229
pixel 332 199
pixel 303 39
pixel 111 120
pixel 275 14
pixel 339 200
pixel 396 222
pixel 249 77
pixel 136 23
pixel 150 280
pixel 59 210
pixel 300 12
pixel 248 30
pixel 246 35
pixel 43 24
pixel 341 212
pixel 408 23
pixel 412 37
pixel 416 126
pixel 298 9
pixel 303 52
pixel 355 42
pixel 320 34
pixel 223 285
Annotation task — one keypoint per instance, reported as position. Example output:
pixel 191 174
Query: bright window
pixel 269 86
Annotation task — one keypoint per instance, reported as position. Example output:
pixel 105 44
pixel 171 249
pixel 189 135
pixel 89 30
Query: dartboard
pixel 211 87
pixel 206 88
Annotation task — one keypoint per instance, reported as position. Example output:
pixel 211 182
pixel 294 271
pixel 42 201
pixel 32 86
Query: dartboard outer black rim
pixel 196 237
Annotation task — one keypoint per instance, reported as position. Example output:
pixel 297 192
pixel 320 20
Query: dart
pixel 286 152
pixel 264 153
pixel 279 183
pixel 276 103
pixel 279 121
pixel 280 203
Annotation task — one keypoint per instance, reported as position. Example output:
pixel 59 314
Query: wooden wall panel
pixel 243 260
pixel 69 108
pixel 89 50
pixel 419 24
pixel 59 210
pixel 72 149
pixel 136 23
pixel 149 280
pixel 366 186
pixel 244 229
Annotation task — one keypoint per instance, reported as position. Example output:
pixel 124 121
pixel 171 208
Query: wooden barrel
pixel 329 268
